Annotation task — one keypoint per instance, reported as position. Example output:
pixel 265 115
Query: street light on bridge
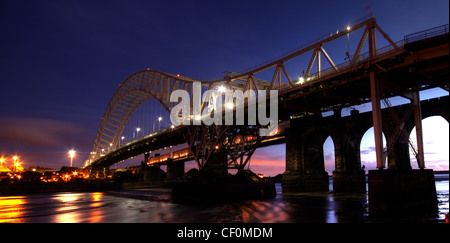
pixel 222 89
pixel 121 141
pixel 159 121
pixel 137 131
pixel 348 41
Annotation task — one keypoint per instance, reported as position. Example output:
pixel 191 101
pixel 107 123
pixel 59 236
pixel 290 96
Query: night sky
pixel 61 61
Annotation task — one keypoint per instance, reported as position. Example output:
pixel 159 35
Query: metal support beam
pixel 386 36
pixel 280 79
pixel 311 62
pixel 360 45
pixel 328 58
pixel 319 62
pixel 419 132
pixel 287 76
pixel 372 40
pixel 275 74
pixel 375 90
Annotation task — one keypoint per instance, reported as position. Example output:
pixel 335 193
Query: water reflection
pixel 301 209
pixel 442 190
pixel 137 206
pixel 11 209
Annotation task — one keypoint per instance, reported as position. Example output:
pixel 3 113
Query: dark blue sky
pixel 61 61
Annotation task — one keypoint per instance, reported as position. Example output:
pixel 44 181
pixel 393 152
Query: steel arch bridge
pixel 138 88
pixel 146 84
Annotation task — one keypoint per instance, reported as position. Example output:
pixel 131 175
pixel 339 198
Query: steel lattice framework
pixel 146 84
pixel 134 91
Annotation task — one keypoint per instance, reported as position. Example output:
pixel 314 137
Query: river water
pixel 154 206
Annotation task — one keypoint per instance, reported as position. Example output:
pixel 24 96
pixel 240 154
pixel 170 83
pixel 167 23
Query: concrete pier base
pixel 175 173
pixel 208 186
pixel 349 182
pixel 402 191
pixel 150 174
pixel 303 182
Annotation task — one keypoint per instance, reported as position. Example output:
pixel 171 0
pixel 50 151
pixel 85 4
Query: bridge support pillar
pixel 402 191
pixel 175 172
pixel 304 164
pixel 375 90
pixel 151 174
pixel 398 157
pixel 348 175
pixel 217 163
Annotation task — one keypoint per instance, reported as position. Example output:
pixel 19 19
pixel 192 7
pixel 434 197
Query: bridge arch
pixel 436 142
pixel 367 149
pixel 131 93
pixel 329 155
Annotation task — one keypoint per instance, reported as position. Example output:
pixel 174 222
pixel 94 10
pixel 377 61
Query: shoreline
pixel 100 186
pixel 25 189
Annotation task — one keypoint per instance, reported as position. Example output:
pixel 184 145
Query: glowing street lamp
pixel 71 155
pixel 159 122
pixel 137 132
pixel 348 41
pixel 121 141
pixel 2 160
pixel 16 164
pixel 222 89
pixel 15 157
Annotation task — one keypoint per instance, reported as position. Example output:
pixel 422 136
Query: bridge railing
pixel 426 34
pixel 362 58
pixel 320 39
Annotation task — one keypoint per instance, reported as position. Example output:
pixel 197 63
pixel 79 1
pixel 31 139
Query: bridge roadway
pixel 161 140
pixel 416 63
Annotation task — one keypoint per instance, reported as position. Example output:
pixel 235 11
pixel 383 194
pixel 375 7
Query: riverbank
pixel 24 188
pixel 103 185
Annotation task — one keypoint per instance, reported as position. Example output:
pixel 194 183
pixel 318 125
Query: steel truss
pixel 202 140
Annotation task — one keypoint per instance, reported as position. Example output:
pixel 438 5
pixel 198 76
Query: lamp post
pixel 15 164
pixel 348 41
pixel 71 155
pixel 159 121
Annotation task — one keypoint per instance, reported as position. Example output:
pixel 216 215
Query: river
pixel 154 206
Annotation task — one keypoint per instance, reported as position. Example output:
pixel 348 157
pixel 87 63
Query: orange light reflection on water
pixel 96 216
pixel 11 209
